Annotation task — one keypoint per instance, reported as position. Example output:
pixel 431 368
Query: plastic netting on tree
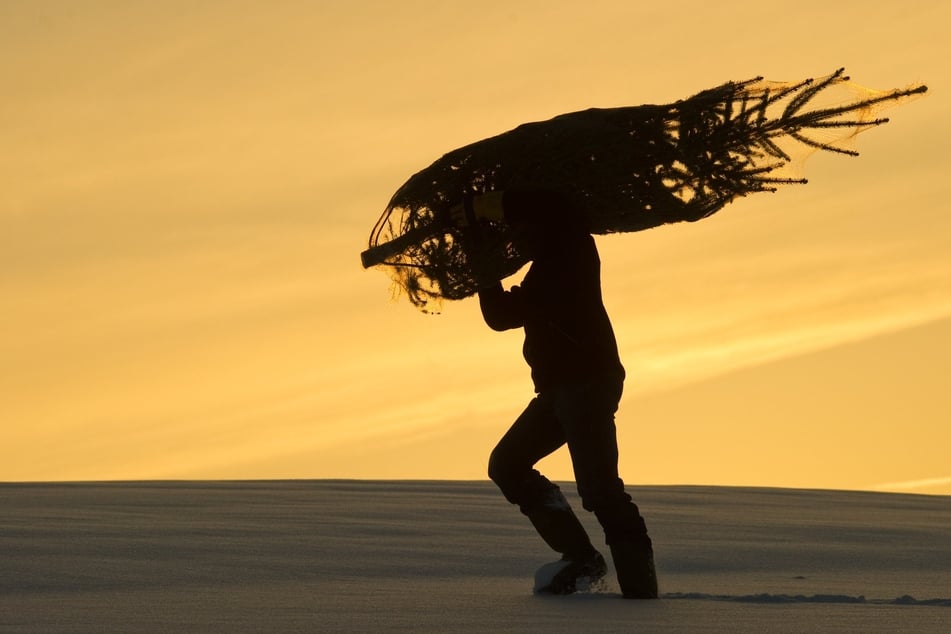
pixel 629 168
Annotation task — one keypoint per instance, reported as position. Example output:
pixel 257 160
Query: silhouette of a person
pixel 578 377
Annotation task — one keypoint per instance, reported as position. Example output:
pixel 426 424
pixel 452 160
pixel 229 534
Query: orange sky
pixel 188 185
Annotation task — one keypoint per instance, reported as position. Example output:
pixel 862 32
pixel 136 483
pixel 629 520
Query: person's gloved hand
pixel 486 206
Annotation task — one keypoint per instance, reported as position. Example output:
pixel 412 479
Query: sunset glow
pixel 188 186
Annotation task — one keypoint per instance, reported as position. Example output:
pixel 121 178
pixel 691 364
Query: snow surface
pixel 360 556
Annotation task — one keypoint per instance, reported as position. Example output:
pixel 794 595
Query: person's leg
pixel 534 435
pixel 586 413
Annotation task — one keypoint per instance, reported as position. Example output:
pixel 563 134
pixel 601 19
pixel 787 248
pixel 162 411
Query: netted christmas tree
pixel 629 169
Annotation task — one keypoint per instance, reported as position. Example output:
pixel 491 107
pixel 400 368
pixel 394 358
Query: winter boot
pixel 567 576
pixel 634 565
pixel 581 564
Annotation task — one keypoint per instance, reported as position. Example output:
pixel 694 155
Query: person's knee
pixel 502 474
pixel 602 494
pixel 497 468
pixel 620 518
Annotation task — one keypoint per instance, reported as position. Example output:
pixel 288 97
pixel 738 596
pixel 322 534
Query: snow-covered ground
pixel 360 556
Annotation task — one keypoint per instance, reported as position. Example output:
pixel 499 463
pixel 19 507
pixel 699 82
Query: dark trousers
pixel 580 415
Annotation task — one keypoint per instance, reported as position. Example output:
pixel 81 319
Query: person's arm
pixel 501 309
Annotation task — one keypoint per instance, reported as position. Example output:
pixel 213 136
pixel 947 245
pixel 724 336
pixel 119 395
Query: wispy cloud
pixel 917 485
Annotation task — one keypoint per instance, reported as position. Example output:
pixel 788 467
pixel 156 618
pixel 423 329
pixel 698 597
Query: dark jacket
pixel 568 336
